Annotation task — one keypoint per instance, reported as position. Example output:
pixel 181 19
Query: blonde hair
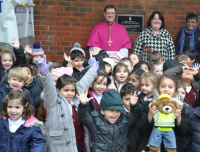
pixel 18 72
pixel 183 58
pixel 126 60
pixel 153 65
pixel 151 77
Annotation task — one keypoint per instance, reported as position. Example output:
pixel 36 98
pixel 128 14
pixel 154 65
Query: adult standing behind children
pixel 155 37
pixel 189 36
pixel 110 36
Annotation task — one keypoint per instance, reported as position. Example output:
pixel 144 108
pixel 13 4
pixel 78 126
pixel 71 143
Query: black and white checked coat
pixel 162 42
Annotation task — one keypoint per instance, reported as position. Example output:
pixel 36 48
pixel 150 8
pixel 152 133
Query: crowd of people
pixel 106 103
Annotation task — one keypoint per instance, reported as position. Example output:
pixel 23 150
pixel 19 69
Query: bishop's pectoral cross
pixel 109 41
pixel 110 36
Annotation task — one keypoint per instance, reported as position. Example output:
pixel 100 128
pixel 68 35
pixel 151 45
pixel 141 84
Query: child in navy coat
pixel 19 129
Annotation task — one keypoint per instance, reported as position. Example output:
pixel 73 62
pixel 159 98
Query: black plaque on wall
pixel 133 23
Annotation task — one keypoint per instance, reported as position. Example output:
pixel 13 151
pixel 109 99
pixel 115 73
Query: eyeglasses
pixel 110 13
pixel 132 80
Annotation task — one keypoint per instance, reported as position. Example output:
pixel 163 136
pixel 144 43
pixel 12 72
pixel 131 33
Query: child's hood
pixel 33 122
pixel 109 61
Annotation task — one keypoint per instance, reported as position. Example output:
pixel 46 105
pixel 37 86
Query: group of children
pixel 94 105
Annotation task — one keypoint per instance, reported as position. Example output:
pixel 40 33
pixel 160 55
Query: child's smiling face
pixel 111 115
pixel 167 86
pixel 15 83
pixel 7 61
pixel 144 67
pixel 182 93
pixel 15 109
pixel 99 85
pixel 121 75
pixel 78 63
pixel 187 76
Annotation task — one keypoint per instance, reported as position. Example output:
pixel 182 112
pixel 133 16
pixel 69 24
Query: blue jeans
pixel 168 138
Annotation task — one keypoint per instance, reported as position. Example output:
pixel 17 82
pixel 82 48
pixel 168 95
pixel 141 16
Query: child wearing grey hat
pixel 109 125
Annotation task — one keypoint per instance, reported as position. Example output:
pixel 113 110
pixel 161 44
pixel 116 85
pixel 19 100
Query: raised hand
pixel 193 71
pixel 15 43
pixel 28 49
pixel 66 58
pixel 96 51
pixel 134 98
pixel 70 64
pixel 196 66
pixel 43 66
pixel 93 63
pixel 83 97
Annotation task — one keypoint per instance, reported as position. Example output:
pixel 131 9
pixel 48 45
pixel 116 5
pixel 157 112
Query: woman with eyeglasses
pixel 189 37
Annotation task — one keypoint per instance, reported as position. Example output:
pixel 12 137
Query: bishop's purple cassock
pixel 109 37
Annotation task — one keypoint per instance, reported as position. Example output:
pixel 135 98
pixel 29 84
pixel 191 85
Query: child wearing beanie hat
pixel 37 52
pixel 109 125
pixel 58 72
pixel 77 56
pixel 77 46
pixel 32 54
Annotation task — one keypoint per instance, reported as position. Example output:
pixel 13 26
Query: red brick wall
pixel 61 23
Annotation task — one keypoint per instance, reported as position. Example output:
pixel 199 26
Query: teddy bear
pixel 164 121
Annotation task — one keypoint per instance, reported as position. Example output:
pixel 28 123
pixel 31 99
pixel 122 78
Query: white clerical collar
pixel 14 125
pixel 188 89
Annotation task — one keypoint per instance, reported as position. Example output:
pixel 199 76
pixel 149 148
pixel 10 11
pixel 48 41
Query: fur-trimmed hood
pixel 33 122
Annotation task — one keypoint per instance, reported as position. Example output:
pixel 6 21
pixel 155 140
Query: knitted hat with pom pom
pixel 77 46
pixel 37 50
